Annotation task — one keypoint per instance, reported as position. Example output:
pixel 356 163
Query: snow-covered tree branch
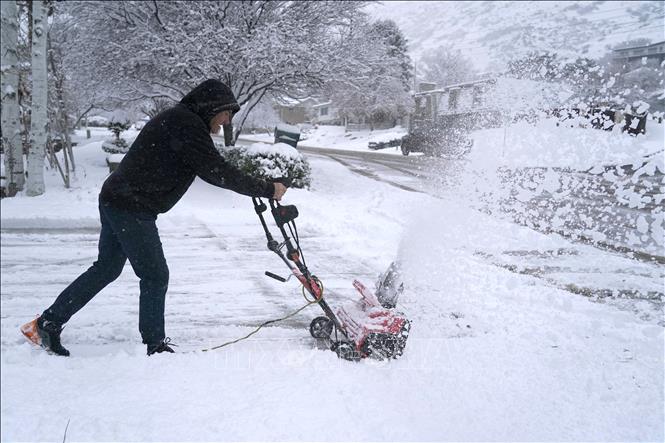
pixel 135 51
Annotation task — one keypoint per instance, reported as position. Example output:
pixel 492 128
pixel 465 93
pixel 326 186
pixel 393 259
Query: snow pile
pixel 550 145
pixel 572 181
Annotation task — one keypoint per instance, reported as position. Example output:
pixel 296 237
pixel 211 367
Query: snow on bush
pixel 270 161
pixel 97 121
pixel 118 145
pixel 115 146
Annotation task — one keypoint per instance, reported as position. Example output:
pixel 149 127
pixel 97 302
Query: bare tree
pixel 155 106
pixel 445 66
pixel 374 87
pixel 75 92
pixel 143 50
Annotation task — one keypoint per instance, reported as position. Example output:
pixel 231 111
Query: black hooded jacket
pixel 172 149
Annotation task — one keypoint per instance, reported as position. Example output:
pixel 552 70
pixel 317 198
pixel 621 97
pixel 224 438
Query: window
pixel 452 99
pixel 323 111
pixel 477 97
pixel 419 105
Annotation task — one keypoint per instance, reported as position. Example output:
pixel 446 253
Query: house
pixel 322 111
pixel 457 99
pixel 295 111
pixel 311 110
pixel 482 102
pixel 445 116
pixel 325 113
pixel 634 55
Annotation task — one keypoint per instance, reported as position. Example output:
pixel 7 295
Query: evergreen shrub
pixel 270 162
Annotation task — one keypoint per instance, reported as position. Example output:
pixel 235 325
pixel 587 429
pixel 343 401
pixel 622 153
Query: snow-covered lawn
pixel 493 354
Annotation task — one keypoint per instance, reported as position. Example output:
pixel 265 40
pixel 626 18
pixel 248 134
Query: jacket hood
pixel 209 99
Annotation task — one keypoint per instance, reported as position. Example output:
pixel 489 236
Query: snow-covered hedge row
pixel 270 162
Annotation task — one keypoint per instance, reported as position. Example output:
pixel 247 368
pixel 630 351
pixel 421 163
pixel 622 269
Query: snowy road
pixel 503 347
pixel 411 173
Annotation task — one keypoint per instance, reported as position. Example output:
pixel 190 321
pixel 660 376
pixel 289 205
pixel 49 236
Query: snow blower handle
pixel 283 215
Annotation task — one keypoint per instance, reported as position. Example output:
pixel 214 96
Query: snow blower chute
pixel 368 327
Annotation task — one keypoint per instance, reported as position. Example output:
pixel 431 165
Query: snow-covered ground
pixel 517 145
pixel 546 145
pixel 335 137
pixel 494 354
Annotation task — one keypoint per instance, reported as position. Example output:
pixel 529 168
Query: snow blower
pixel 367 327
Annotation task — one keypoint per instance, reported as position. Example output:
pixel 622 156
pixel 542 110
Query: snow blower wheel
pixel 345 350
pixel 321 327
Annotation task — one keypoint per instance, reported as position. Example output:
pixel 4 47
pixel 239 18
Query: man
pixel 169 152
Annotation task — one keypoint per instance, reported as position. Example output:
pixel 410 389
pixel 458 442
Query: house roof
pixel 638 47
pixel 447 88
pixel 291 102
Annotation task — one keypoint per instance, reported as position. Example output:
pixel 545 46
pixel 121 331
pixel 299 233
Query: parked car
pixel 445 137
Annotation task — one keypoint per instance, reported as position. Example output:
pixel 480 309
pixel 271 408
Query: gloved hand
pixel 280 190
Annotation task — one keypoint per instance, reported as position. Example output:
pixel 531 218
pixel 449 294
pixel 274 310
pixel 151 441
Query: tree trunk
pixel 11 132
pixel 239 129
pixel 68 144
pixel 229 139
pixel 39 116
pixel 24 80
pixel 61 110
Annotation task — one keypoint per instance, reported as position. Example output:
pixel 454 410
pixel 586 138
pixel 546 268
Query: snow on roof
pixel 290 101
pixel 454 86
pixel 627 48
pixel 293 102
pixel 515 94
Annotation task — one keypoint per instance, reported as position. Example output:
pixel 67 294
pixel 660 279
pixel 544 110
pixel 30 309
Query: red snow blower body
pixel 367 327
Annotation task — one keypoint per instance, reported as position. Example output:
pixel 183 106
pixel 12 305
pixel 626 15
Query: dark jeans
pixel 124 235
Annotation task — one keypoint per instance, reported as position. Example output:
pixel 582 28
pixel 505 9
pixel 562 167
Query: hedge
pixel 269 162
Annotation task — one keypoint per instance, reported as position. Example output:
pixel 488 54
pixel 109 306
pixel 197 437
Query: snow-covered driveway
pixel 493 355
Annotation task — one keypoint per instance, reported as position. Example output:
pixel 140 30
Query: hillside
pixel 490 33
